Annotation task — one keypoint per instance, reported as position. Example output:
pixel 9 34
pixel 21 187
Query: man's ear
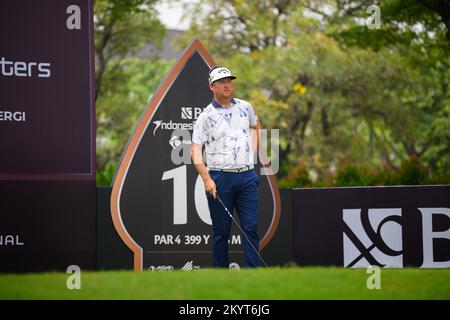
pixel 211 86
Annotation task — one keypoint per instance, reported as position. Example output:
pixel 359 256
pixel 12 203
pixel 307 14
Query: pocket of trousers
pixel 256 177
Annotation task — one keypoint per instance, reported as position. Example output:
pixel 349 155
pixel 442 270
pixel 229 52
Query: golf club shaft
pixel 242 231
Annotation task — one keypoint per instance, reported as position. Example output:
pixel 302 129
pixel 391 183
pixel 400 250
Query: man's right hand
pixel 210 186
pixel 196 154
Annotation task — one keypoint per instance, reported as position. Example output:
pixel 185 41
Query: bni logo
pixel 373 237
pixel 186 113
pixel 190 113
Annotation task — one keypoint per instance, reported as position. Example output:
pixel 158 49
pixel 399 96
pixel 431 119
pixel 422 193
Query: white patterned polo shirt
pixel 225 132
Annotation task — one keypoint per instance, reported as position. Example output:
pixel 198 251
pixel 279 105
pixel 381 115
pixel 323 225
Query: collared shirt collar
pixel 218 105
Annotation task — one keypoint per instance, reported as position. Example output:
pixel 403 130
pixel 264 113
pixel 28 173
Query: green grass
pixel 274 283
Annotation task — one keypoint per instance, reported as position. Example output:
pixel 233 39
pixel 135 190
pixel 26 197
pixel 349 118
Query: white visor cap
pixel 220 73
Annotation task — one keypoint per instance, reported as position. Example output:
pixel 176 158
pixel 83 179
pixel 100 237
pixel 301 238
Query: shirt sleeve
pixel 200 134
pixel 253 118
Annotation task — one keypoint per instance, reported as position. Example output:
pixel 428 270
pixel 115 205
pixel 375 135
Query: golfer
pixel 229 129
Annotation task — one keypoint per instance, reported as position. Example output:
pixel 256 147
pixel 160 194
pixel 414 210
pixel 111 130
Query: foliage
pixel 123 82
pixel 338 91
pixel 298 177
pixel 350 174
pixel 122 28
pixel 354 106
pixel 129 89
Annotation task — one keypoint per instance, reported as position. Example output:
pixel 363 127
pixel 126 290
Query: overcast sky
pixel 171 13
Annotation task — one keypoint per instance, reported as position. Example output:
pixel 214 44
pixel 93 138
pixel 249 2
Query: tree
pixel 334 95
pixel 123 82
pixel 123 27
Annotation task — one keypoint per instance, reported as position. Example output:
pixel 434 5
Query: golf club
pixel 231 216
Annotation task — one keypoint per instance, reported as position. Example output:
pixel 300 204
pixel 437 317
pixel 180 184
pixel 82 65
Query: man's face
pixel 222 88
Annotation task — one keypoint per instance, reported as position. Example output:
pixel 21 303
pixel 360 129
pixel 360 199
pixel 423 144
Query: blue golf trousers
pixel 237 190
